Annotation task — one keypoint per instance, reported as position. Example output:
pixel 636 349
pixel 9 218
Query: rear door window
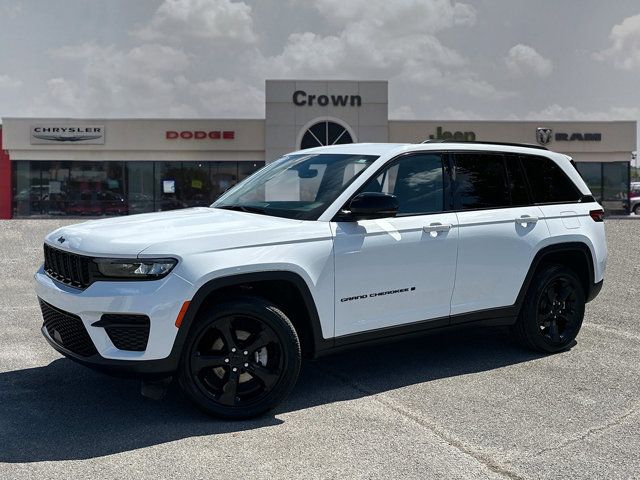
pixel 517 182
pixel 549 184
pixel 481 181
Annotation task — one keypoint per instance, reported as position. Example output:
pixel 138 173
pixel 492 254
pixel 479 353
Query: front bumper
pixel 125 368
pixel 595 290
pixel 160 300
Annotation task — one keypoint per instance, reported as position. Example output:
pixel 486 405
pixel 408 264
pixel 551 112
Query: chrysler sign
pixel 67 134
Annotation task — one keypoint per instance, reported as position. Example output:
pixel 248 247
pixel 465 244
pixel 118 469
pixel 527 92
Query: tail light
pixel 597 215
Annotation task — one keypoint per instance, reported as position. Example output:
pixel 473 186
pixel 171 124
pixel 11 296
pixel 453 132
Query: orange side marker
pixel 183 310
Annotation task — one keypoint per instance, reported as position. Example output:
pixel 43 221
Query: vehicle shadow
pixel 64 411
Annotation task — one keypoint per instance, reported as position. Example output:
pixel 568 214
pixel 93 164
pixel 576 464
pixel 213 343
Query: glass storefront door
pixel 609 184
pixel 140 187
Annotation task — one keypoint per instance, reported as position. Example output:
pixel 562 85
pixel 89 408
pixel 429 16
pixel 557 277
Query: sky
pixel 475 59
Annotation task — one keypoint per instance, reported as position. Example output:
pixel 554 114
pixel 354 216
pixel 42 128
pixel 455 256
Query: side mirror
pixel 369 205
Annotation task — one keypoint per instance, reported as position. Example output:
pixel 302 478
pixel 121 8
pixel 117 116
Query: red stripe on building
pixel 5 182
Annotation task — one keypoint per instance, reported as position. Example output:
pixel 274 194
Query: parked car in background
pixel 634 198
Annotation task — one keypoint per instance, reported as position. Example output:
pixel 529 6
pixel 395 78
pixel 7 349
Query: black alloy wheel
pixel 557 311
pixel 242 357
pixel 552 313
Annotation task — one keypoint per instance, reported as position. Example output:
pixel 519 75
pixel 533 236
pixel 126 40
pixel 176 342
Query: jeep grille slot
pixel 68 268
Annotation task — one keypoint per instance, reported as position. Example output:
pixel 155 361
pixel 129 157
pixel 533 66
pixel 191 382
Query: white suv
pixel 324 249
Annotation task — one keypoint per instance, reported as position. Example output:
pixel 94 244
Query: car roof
pixel 378 149
pixel 392 149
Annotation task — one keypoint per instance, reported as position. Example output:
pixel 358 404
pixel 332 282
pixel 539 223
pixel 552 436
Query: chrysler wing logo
pixel 60 138
pixel 61 239
pixel 543 135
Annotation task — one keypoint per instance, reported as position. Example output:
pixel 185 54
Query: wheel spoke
pixel 229 390
pixel 552 294
pixel 226 329
pixel 545 317
pixel 200 361
pixel 259 340
pixel 266 376
pixel 553 331
pixel 564 294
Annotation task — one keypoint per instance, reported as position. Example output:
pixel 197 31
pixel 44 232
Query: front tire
pixel 241 358
pixel 553 310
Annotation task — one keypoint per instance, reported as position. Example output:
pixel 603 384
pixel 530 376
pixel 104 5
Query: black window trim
pixel 516 159
pixel 446 184
pixel 450 182
pixel 454 181
pixel 582 197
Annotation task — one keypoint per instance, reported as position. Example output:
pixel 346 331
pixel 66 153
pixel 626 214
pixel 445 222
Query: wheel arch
pixel 576 255
pixel 286 289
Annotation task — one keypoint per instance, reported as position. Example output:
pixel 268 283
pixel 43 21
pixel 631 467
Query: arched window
pixel 325 133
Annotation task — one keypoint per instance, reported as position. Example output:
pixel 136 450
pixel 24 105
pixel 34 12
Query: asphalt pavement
pixel 463 404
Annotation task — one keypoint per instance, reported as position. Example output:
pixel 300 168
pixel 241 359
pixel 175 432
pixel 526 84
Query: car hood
pixel 177 232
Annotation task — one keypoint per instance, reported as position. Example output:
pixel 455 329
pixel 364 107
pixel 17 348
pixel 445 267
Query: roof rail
pixel 506 144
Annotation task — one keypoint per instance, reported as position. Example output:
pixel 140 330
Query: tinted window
pixel 417 182
pixel 549 184
pixel 516 181
pixel 481 181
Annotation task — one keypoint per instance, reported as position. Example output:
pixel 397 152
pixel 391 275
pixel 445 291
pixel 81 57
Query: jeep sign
pixel 446 135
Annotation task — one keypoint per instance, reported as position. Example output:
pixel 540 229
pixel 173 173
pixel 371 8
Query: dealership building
pixel 75 167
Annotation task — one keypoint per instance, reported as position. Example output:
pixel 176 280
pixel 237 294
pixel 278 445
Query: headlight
pixel 151 268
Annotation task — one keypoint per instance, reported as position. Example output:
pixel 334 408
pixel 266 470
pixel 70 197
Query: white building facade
pixel 93 167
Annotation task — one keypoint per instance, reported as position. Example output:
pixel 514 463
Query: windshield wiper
pixel 244 208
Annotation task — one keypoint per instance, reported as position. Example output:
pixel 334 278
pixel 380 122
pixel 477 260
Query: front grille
pixel 68 268
pixel 127 332
pixel 67 330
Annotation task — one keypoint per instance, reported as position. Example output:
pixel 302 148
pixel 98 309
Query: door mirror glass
pixel 368 205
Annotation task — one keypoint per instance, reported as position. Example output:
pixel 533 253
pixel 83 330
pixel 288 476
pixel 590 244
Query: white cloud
pixel 215 20
pixel 201 58
pixel 11 10
pixel 523 60
pixel 381 39
pixel 377 37
pixel 403 112
pixel 559 112
pixel 403 15
pixel 140 80
pixel 229 98
pixel 624 51
pixel 7 81
pixel 146 80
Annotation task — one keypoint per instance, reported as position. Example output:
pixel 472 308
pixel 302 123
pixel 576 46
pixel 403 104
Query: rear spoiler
pixel 572 162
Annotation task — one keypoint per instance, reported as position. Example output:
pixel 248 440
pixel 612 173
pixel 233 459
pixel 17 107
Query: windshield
pixel 296 186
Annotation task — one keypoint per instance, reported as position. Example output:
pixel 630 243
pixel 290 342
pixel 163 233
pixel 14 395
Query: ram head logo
pixel 543 135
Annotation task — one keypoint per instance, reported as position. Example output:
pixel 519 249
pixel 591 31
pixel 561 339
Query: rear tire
pixel 241 358
pixel 636 209
pixel 552 313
